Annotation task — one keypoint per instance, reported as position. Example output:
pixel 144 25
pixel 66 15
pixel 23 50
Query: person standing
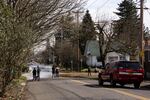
pixel 53 71
pixel 89 71
pixel 57 71
pixel 38 73
pixel 34 74
pixel 95 70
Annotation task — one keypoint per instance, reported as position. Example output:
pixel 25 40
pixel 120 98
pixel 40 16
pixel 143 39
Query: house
pixel 114 56
pixel 93 55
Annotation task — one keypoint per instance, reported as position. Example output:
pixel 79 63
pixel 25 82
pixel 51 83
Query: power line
pixel 104 4
pixel 101 5
pixel 147 1
pixel 148 12
pixel 92 3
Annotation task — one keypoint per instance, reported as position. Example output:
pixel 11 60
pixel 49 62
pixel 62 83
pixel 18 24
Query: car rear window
pixel 129 65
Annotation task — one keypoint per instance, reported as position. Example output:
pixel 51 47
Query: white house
pixel 114 56
pixel 92 54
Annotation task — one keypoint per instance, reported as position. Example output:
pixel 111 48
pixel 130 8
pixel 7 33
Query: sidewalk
pixel 79 75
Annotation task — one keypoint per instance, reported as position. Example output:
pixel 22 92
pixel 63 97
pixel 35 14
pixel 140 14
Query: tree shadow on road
pixel 42 79
pixel 92 85
pixel 146 87
pixel 143 87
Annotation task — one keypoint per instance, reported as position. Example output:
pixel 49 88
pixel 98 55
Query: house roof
pixel 92 47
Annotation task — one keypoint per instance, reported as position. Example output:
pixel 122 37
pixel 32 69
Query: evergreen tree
pixel 87 31
pixel 66 42
pixel 66 26
pixel 127 27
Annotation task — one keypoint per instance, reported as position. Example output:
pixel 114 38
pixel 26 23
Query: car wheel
pixel 122 84
pixel 112 82
pixel 136 85
pixel 100 80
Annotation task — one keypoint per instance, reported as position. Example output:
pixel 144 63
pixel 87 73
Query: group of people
pixel 55 71
pixel 36 73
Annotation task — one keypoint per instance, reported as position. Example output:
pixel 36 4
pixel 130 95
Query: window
pixel 107 65
pixel 122 58
pixel 129 65
pixel 98 59
pixel 114 65
pixel 115 58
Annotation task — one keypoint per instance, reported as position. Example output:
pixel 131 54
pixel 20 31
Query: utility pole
pixel 61 40
pixel 141 33
pixel 78 51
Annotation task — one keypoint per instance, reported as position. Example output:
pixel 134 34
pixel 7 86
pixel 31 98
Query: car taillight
pixel 121 70
pixel 141 70
pixel 116 71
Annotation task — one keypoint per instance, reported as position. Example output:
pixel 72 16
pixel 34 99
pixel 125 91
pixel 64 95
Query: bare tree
pixel 23 24
pixel 106 39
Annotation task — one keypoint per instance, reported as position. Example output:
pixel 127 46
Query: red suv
pixel 122 72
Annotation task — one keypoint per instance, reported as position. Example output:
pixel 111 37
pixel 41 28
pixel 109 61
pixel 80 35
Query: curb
pixel 74 75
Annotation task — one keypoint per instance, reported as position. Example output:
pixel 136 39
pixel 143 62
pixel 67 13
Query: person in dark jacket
pixel 38 73
pixel 57 71
pixel 95 70
pixel 53 70
pixel 89 71
pixel 34 74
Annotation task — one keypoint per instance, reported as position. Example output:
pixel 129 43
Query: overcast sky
pixel 103 9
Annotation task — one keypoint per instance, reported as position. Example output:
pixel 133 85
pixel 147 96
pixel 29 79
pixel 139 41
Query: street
pixel 83 89
pixel 67 49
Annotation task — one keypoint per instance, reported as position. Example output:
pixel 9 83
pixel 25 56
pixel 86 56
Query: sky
pixel 103 9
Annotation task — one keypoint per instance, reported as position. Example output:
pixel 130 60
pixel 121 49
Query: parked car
pixel 122 72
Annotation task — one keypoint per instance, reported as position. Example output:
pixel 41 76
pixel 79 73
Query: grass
pixel 86 70
pixel 14 91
